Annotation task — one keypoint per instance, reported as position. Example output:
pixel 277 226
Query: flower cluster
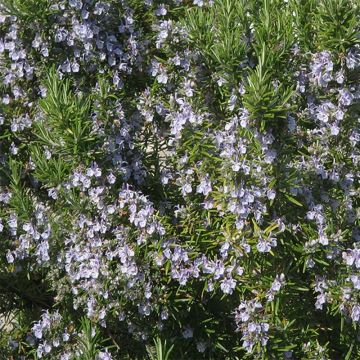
pixel 248 319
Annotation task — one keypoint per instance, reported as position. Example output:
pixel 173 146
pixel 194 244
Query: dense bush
pixel 179 179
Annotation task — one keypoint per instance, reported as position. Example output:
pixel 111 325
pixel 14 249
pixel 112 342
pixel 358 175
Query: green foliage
pixel 21 200
pixel 303 17
pixel 89 343
pixel 265 100
pixel 66 130
pixel 337 24
pixel 27 10
pixel 221 34
pixel 49 171
pixel 68 127
pixel 273 30
pixel 161 351
pixel 326 24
